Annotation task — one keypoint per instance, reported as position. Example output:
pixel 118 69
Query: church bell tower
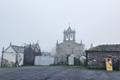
pixel 69 35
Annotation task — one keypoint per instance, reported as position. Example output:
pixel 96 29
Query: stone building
pixel 12 56
pixel 30 52
pixel 96 56
pixel 68 47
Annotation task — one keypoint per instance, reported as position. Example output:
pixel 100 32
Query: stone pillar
pixel 2 57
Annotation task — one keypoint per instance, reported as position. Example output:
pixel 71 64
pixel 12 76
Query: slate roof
pixel 34 47
pixel 114 47
pixel 18 49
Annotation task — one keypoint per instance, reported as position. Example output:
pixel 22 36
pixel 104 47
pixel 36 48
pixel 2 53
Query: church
pixel 69 48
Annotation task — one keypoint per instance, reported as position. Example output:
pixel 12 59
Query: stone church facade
pixel 68 47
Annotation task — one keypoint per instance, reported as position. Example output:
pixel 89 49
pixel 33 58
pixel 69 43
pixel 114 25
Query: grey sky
pixel 24 21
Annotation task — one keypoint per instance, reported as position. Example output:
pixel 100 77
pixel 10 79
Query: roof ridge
pixel 18 49
pixel 115 47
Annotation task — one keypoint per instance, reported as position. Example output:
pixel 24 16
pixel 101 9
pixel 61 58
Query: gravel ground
pixel 56 73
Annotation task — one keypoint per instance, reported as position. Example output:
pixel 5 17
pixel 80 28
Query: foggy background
pixel 25 21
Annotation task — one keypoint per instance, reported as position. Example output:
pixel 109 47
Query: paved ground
pixel 56 73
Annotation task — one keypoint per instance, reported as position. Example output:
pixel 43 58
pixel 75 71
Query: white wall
pixel 10 55
pixel 71 60
pixel 21 58
pixel 82 59
pixel 44 60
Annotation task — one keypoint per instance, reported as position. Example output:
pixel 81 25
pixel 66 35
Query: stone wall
pixel 96 59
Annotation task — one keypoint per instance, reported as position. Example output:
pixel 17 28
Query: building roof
pixel 34 47
pixel 114 47
pixel 18 49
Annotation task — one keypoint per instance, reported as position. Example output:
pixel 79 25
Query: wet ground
pixel 56 73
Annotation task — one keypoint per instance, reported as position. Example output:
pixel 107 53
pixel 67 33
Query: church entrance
pixel 76 61
pixel 73 61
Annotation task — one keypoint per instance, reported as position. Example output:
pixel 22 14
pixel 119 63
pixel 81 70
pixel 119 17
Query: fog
pixel 26 21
